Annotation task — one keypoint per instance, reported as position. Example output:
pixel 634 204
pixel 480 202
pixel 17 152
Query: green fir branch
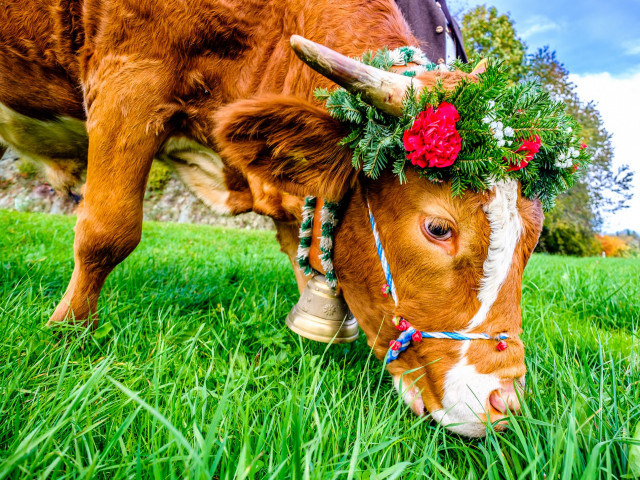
pixel 527 109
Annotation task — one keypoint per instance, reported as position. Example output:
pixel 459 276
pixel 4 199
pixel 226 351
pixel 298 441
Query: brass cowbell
pixel 322 315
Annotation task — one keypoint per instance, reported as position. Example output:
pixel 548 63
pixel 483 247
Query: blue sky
pixel 588 35
pixel 599 43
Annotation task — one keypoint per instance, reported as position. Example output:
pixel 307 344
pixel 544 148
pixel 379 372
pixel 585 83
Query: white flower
pixel 508 132
pixel 569 129
pixel 501 143
pixel 573 153
pixel 486 119
pixel 492 104
pixel 498 135
pixel 564 159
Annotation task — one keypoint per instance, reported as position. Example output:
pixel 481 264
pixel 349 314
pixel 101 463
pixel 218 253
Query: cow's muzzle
pixel 506 398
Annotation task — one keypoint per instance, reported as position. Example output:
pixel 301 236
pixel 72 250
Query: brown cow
pixel 213 88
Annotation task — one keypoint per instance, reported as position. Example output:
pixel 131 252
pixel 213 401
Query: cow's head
pixel 457 262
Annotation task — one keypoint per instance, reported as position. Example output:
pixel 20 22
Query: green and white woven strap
pixel 328 222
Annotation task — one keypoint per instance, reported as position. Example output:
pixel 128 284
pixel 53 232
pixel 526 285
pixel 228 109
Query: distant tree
pixel 569 228
pixel 613 246
pixel 632 239
pixel 489 34
pixel 607 189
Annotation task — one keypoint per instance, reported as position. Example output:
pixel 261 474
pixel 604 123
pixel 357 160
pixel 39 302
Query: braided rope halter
pixel 408 332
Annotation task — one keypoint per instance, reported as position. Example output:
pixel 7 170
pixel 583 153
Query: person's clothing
pixel 432 24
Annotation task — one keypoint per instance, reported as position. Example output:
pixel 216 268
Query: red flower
pixel 583 146
pixel 531 147
pixel 432 140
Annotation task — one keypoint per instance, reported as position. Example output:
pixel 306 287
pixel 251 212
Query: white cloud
pixel 538 25
pixel 632 47
pixel 618 99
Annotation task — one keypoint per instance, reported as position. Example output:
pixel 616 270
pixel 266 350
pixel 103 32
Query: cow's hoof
pixel 73 323
pixel 65 318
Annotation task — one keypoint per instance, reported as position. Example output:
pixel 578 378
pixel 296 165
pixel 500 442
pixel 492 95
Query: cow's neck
pixel 355 253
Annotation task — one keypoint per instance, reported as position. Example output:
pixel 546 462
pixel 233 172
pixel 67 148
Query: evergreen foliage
pixel 377 138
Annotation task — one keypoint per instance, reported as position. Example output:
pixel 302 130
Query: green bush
pixel 568 239
pixel 27 168
pixel 159 176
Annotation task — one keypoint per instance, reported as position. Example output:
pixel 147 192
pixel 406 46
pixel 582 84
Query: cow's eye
pixel 438 228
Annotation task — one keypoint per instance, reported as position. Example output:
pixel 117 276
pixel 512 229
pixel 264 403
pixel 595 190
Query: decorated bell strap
pixel 409 334
pixel 315 251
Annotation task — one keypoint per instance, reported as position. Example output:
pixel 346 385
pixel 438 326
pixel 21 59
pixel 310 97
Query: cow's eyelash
pixel 438 228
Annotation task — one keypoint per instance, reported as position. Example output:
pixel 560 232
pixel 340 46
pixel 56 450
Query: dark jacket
pixel 428 21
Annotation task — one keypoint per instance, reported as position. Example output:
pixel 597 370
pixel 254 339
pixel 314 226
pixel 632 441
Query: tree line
pixel 571 227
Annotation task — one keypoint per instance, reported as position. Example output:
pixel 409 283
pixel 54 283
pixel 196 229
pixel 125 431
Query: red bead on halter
pixel 416 337
pixel 385 290
pixel 395 345
pixel 400 323
pixel 501 346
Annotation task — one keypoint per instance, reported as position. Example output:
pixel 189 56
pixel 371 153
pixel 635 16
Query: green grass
pixel 194 374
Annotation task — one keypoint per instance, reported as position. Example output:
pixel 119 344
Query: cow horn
pixel 383 90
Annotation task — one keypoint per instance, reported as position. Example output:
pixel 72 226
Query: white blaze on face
pixel 465 395
pixel 465 390
pixel 506 228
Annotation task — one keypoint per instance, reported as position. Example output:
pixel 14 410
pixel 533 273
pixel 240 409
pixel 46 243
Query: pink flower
pixel 432 140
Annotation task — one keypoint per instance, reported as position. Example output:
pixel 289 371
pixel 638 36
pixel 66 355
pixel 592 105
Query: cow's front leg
pixel 126 126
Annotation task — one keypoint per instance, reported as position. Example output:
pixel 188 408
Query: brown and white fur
pixel 94 90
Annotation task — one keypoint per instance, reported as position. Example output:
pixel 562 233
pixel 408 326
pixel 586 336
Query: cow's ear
pixel 288 142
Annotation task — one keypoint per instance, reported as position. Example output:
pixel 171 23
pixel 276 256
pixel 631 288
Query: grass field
pixel 194 374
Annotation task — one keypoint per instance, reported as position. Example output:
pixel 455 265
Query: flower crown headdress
pixel 472 135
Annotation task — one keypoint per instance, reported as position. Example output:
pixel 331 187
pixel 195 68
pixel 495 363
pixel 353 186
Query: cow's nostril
pixel 497 401
pixel 504 399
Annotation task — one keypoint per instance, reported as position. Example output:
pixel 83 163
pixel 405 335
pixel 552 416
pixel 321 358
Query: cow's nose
pixel 505 398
